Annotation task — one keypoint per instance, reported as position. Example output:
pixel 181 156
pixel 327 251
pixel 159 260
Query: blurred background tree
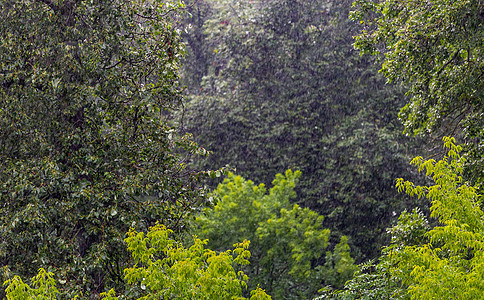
pixel 280 86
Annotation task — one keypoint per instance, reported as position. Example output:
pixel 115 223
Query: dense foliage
pixel 450 263
pixel 93 145
pixel 287 241
pixel 435 48
pixel 43 287
pixel 163 269
pixel 440 262
pixel 280 86
pixel 85 150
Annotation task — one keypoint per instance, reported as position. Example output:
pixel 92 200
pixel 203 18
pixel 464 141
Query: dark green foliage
pixel 375 280
pixel 435 48
pixel 284 88
pixel 197 59
pixel 356 180
pixel 85 150
pixel 371 282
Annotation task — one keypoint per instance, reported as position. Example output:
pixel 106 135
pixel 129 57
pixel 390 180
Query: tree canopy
pixel 93 144
pixel 444 261
pixel 163 268
pixel 289 246
pixel 435 49
pixel 85 148
pixel 279 86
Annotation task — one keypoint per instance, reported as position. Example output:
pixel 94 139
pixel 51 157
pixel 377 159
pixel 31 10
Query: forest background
pixel 101 123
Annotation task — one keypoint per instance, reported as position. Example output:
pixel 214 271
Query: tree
pixel 444 261
pixel 283 88
pixel 85 148
pixel 434 48
pixel 371 282
pixel 163 268
pixel 197 60
pixel 450 264
pixel 287 241
pixel 43 287
pixel 374 279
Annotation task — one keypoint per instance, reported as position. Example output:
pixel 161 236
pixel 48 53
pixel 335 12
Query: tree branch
pixel 49 3
pixel 447 63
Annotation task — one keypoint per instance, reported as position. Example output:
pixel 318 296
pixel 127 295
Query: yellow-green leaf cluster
pixel 450 264
pixel 164 269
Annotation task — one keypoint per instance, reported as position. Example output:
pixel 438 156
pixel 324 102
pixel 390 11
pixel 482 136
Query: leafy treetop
pixel 434 48
pixel 423 262
pixel 85 147
pixel 163 269
pixel 288 242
